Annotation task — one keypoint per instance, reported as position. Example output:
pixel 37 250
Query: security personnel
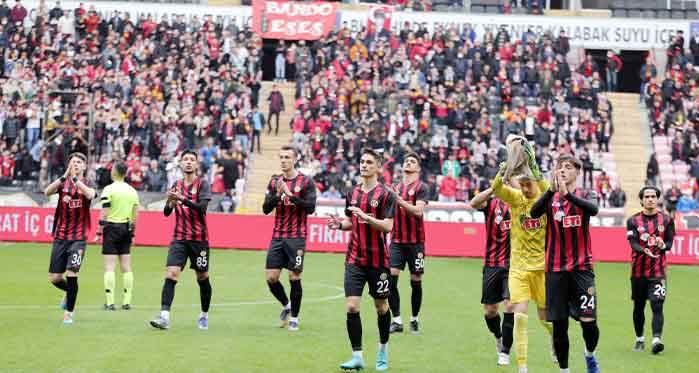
pixel 117 226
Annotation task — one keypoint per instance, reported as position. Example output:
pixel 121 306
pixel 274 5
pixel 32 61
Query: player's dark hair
pixel 79 155
pixel 569 158
pixel 414 156
pixel 120 168
pixel 189 151
pixel 648 187
pixel 374 154
pixel 289 148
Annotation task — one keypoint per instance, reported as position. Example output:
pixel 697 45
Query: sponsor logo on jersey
pixel 529 224
pixel 506 225
pixel 75 203
pixel 297 189
pixel 572 221
pixel 411 192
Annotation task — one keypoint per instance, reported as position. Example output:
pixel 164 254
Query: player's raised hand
pixel 356 211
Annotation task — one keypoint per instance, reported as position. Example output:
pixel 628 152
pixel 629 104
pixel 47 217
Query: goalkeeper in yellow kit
pixel 527 240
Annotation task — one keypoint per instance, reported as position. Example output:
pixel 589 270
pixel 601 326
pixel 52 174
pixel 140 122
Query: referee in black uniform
pixel 117 226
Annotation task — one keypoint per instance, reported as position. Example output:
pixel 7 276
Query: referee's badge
pixel 374 203
pixel 559 216
pixel 383 277
pixel 297 189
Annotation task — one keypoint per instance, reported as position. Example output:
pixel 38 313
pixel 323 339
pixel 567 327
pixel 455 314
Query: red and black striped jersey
pixel 497 230
pixel 568 243
pixel 647 232
pixel 367 247
pixel 190 216
pixel 409 228
pixel 72 217
pixel 291 213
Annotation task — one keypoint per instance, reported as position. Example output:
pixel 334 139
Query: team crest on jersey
pixel 374 203
pixel 641 229
pixel 203 253
pixel 645 236
pixel 297 189
pixel 591 290
pixel 498 219
pixel 66 199
pixel 559 215
pixel 411 192
pixel 420 255
pixel 661 229
pixel 383 276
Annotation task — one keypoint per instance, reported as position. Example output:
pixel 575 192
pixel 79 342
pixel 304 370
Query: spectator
pixel 258 124
pixel 652 171
pixel 155 178
pixel 603 188
pixel 617 198
pixel 612 70
pixel 686 203
pixel 230 169
pixel 276 106
pixel 447 189
pixel 331 193
pixel 7 168
pixel 672 197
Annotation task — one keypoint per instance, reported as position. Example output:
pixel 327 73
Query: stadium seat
pixel 477 8
pixel 618 8
pixel 677 9
pixel 648 8
pixel 692 14
pixel 492 9
pixel 664 158
pixel 661 9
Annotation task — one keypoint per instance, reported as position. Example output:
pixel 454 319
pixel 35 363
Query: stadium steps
pixel 630 147
pixel 265 165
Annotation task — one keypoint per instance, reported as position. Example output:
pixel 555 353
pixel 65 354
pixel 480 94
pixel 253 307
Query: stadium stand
pixel 672 102
pixel 664 9
pixel 437 94
pixel 152 90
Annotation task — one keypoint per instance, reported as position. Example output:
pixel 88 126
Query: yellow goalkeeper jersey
pixel 527 235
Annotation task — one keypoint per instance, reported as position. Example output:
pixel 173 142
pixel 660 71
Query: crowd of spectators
pixel 152 86
pixel 453 99
pixel 672 99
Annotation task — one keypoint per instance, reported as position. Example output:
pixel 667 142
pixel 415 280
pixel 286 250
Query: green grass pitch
pixel 244 337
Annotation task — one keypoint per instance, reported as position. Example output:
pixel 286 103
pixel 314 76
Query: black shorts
pixel 495 288
pixel 67 255
pixel 286 253
pixel 413 254
pixel 196 251
pixel 116 239
pixel 652 289
pixel 356 277
pixel 570 294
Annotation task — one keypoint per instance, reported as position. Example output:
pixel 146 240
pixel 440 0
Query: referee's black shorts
pixel 116 239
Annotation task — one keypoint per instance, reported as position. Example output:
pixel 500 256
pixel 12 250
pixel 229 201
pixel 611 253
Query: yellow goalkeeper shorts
pixel 526 286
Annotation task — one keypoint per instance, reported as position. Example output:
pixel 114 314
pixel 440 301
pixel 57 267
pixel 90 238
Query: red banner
pixel 253 232
pixel 291 20
pixel 380 17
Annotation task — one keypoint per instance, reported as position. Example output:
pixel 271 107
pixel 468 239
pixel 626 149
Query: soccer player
pixel 293 195
pixel 189 198
pixel 527 240
pixel 495 271
pixel 408 240
pixel 651 234
pixel 570 279
pixel 117 227
pixel 369 215
pixel 70 226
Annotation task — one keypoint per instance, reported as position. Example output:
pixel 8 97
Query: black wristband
pixel 62 179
